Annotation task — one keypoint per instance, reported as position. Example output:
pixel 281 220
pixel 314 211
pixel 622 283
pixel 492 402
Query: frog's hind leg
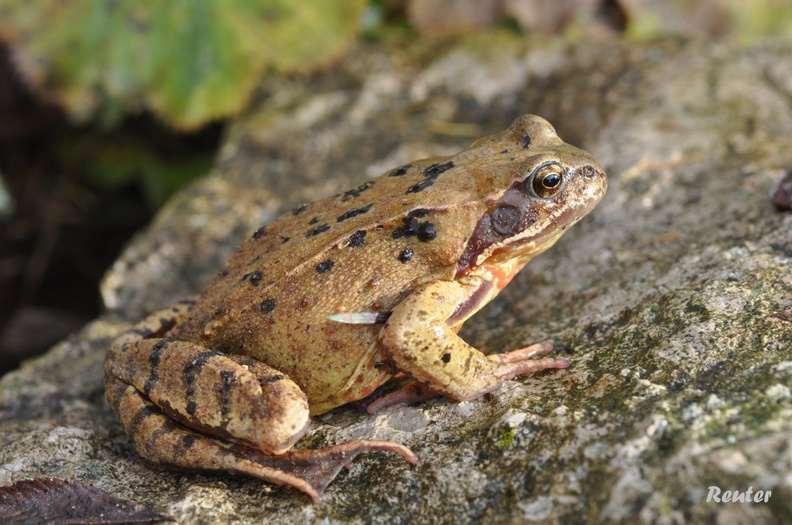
pixel 403 390
pixel 191 407
pixel 159 439
pixel 230 397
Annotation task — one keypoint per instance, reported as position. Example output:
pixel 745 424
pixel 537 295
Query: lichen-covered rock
pixel 665 299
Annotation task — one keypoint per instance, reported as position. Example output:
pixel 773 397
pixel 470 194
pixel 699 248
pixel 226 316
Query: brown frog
pixel 335 298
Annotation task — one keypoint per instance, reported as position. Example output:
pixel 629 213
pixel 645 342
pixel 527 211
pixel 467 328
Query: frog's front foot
pixel 507 366
pixel 523 361
pixel 421 342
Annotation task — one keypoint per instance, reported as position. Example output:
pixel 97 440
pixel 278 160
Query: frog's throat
pixel 493 276
pixel 522 252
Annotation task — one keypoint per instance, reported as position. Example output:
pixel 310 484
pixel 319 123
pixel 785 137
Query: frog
pixel 340 299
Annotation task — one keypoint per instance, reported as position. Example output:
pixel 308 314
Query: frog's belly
pixel 333 363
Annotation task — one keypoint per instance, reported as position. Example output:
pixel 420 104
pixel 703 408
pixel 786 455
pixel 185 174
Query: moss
pixel 506 438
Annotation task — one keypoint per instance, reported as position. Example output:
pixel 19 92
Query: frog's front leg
pixel 421 342
pixel 188 406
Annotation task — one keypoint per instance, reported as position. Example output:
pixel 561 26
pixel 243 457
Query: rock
pixel 665 299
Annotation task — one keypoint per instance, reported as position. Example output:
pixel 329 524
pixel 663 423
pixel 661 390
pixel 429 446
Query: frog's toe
pixel 522 354
pixel 523 361
pixel 314 468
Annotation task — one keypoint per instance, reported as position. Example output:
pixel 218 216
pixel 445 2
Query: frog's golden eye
pixel 546 180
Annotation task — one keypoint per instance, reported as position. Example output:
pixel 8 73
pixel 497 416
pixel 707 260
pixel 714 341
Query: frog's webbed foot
pixel 311 470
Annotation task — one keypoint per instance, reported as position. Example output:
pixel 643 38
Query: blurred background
pixel 109 107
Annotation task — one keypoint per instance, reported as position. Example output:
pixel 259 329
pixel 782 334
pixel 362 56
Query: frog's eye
pixel 546 180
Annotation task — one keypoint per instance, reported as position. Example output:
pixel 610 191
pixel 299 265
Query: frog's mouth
pixel 525 248
pixel 485 251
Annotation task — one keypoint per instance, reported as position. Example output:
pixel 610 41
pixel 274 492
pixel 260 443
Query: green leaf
pixel 190 61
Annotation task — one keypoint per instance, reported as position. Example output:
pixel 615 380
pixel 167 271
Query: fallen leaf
pixel 55 501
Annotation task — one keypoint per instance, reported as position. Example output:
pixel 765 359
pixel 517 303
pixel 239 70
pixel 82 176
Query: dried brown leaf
pixel 59 502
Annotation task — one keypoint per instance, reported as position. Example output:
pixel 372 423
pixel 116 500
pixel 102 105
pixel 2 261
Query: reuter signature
pixel 735 496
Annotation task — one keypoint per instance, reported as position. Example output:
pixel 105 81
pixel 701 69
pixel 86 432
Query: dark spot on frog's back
pixel 446 358
pixel 299 209
pixel 360 189
pixel 154 360
pixel 431 173
pixel 406 255
pixel 407 229
pixel 420 186
pixel 426 232
pixel 353 213
pixel 526 141
pixel 436 169
pixel 259 233
pixel 356 239
pixel 314 220
pixel 316 231
pixel 267 305
pixel 161 345
pixel 253 277
pixel 401 170
pixel 325 266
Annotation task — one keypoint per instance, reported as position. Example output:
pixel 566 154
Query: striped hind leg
pixel 158 438
pixel 185 405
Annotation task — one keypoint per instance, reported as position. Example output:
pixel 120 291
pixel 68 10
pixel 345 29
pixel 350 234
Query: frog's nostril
pixel 588 172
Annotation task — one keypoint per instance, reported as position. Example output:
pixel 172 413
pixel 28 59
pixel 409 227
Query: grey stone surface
pixel 664 299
